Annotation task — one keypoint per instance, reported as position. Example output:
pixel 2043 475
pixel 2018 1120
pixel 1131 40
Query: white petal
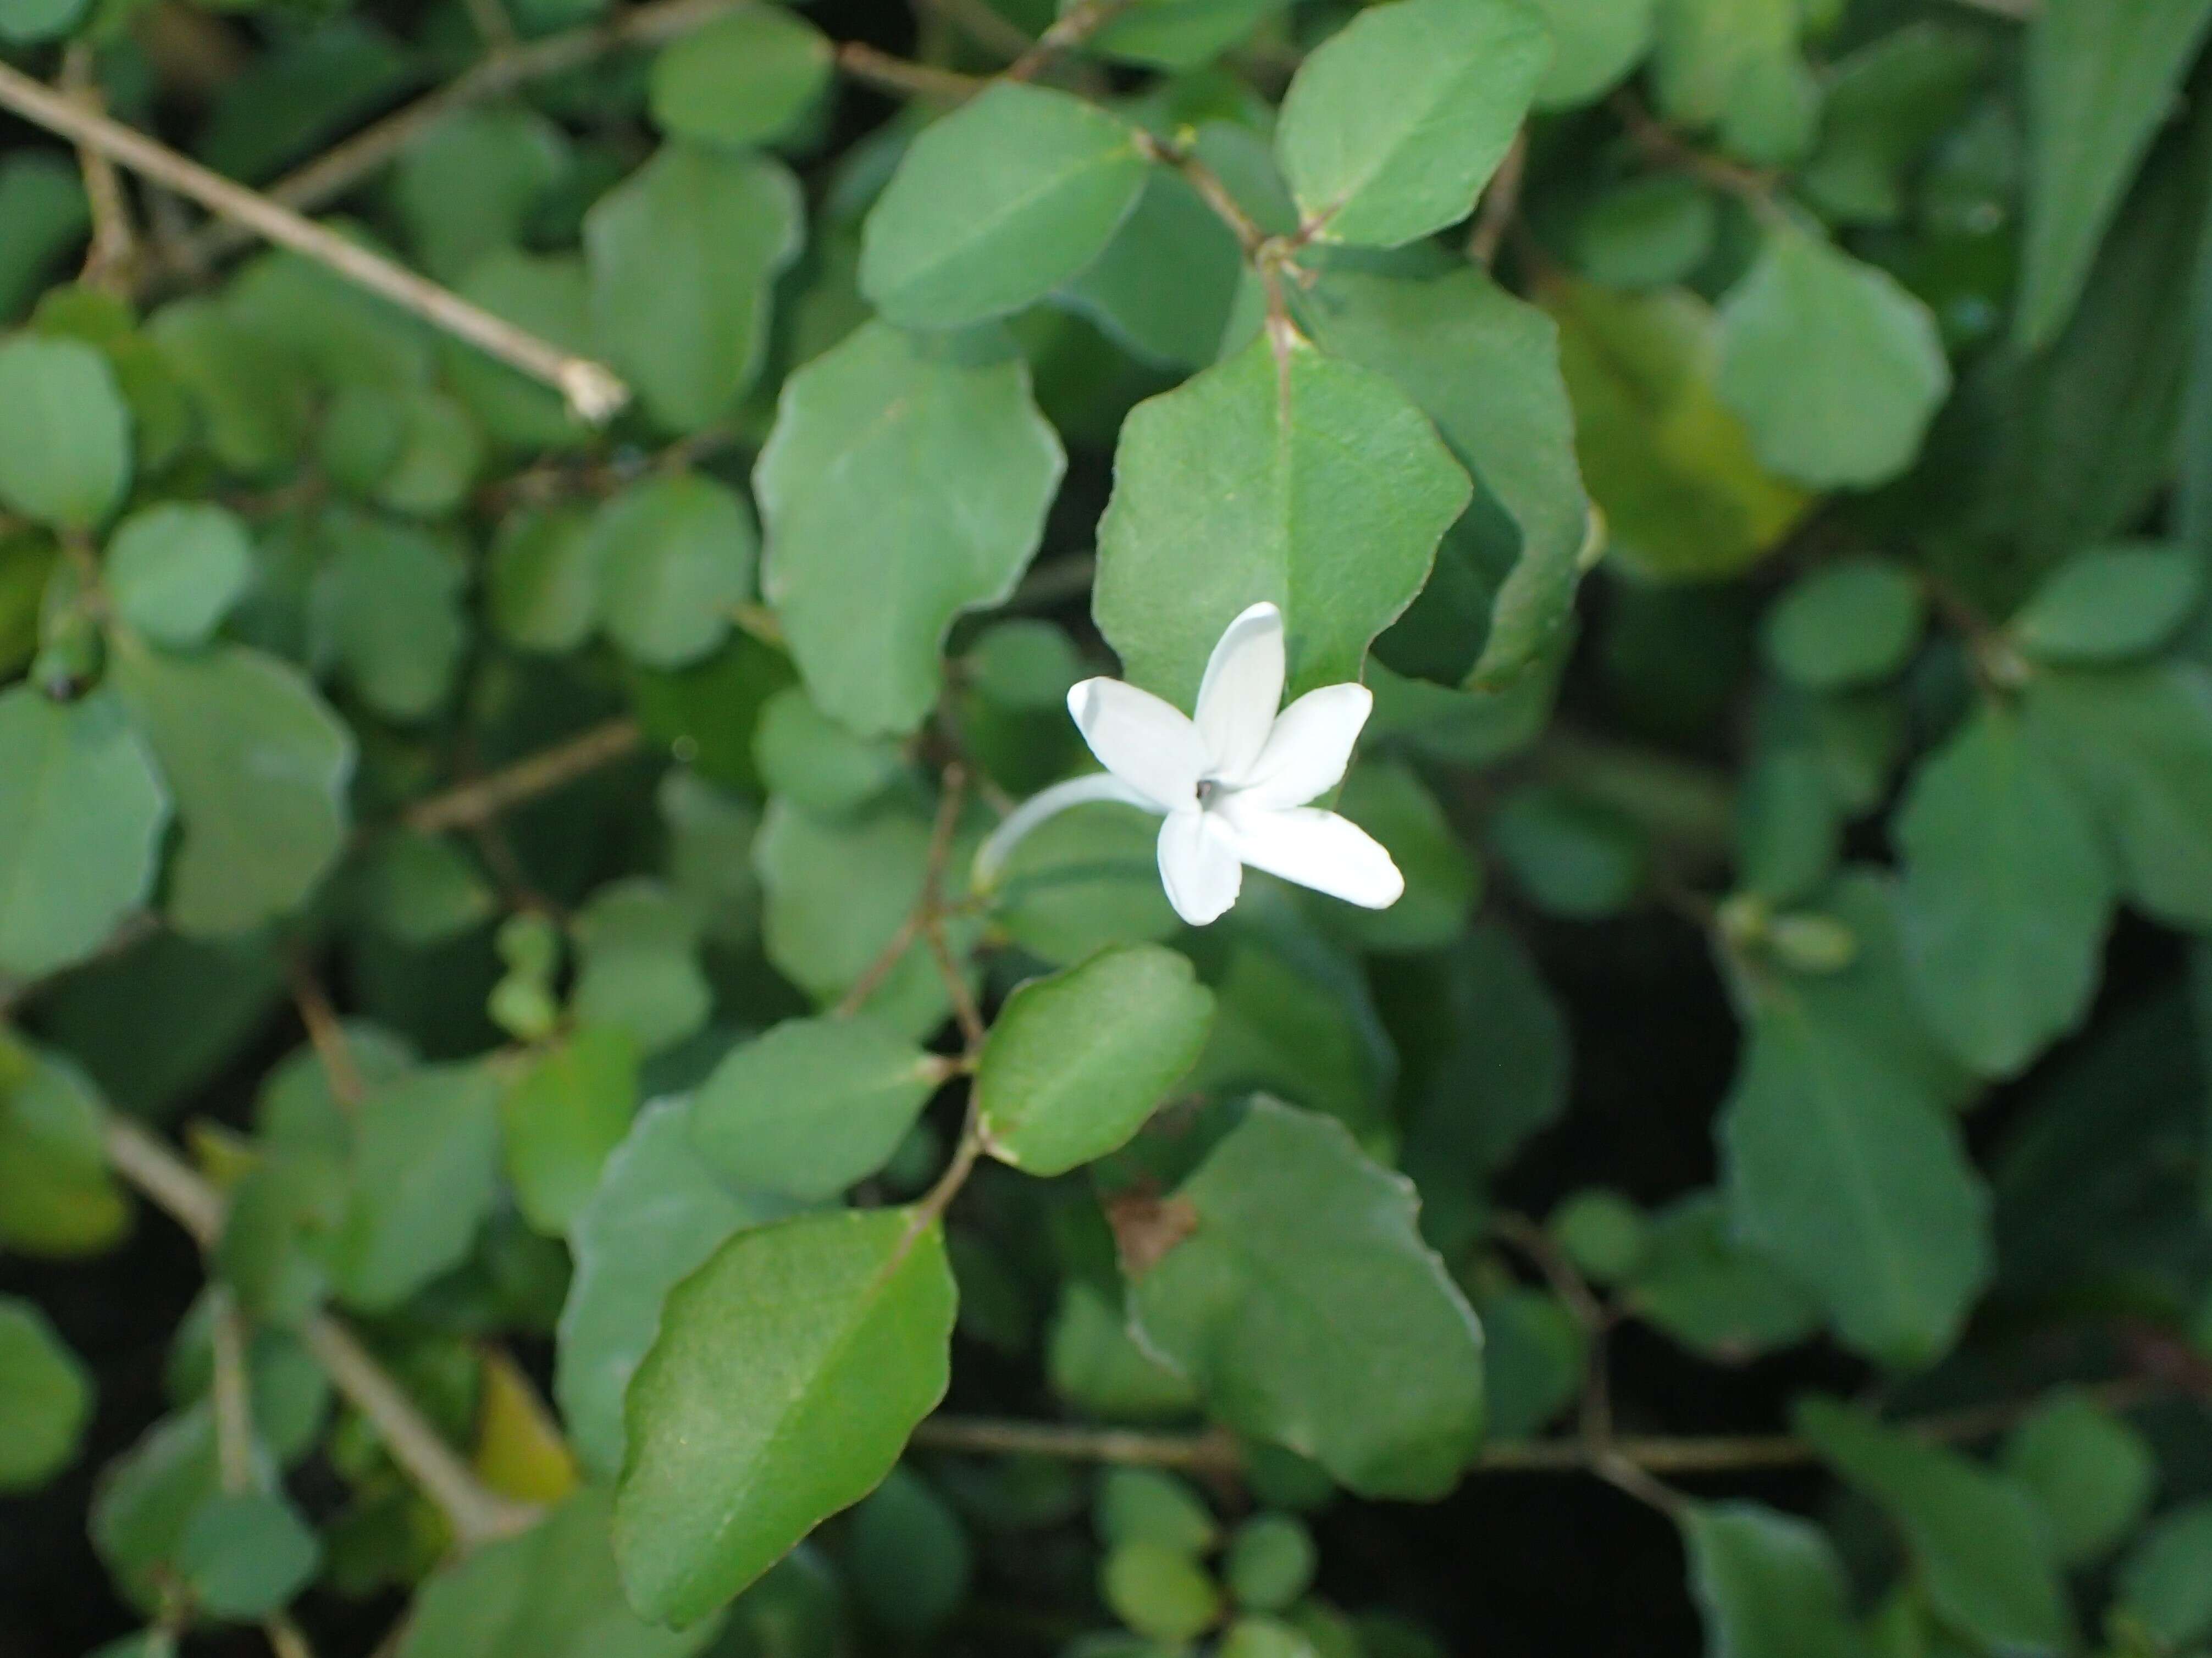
pixel 1145 742
pixel 1198 867
pixel 1242 689
pixel 1318 849
pixel 1309 747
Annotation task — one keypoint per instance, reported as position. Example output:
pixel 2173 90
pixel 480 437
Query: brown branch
pixel 926 905
pixel 1500 204
pixel 888 74
pixel 1077 24
pixel 359 158
pixel 1662 145
pixel 326 1035
pixel 1215 1451
pixel 114 251
pixel 1208 183
pixel 233 1396
pixel 593 390
pixel 476 1514
pixel 484 798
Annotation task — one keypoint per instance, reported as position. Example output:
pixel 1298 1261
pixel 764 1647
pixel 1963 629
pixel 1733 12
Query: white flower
pixel 1233 783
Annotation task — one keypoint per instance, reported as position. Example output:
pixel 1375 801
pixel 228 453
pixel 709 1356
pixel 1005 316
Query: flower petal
pixel 1145 742
pixel 1242 690
pixel 1198 867
pixel 1317 849
pixel 1309 747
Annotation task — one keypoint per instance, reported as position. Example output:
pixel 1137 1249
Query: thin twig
pixel 1212 190
pixel 285 1638
pixel 495 25
pixel 476 1515
pixel 888 74
pixel 1075 25
pixel 326 1035
pixel 233 1396
pixel 485 797
pixel 980 22
pixel 1500 202
pixel 926 902
pixel 1662 144
pixel 593 390
pixel 1212 1452
pixel 114 252
pixel 359 158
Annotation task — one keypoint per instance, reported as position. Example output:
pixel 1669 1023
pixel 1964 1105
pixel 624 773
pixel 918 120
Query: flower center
pixel 1210 789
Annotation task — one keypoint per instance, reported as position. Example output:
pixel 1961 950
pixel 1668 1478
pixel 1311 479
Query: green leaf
pixel 467 186
pixel 1575 857
pixel 1736 65
pixel 1301 1280
pixel 789 1373
pixel 1768 1584
pixel 639 971
pixel 246 1556
pixel 1888 103
pixel 813 1107
pixel 1293 1017
pixel 1708 1292
pixel 2101 80
pixel 2110 604
pixel 960 469
pixel 996 205
pixel 1683 493
pixel 1078 1062
pixel 1270 1563
pixel 1098 1367
pixel 1312 483
pixel 543 583
pixel 388 606
pixel 42 204
pixel 64 433
pixel 683 255
pixel 657 1213
pixel 1088 879
pixel 1392 804
pixel 82 813
pixel 2008 895
pixel 174 571
pixel 1391 128
pixel 1165 283
pixel 1647 233
pixel 45 1398
pixel 1594 44
pixel 1841 1166
pixel 1974 1539
pixel 1835 368
pixel 550 1593
pixel 746 78
pixel 2138 742
pixel 2091 1473
pixel 1854 623
pixel 674 556
pixel 258 765
pixel 910 1555
pixel 56 1197
pixel 563 1118
pixel 425 1175
pixel 423 889
pixel 1533 1355
pixel 147 1497
pixel 1484 367
pixel 1178 34
pixel 813 761
pixel 547 296
pixel 1160 1593
pixel 2165 1582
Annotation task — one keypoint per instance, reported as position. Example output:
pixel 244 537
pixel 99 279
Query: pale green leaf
pixel 639 970
pixel 425 1176
pixel 245 1555
pixel 683 255
pixel 746 78
pixel 1078 1062
pixel 914 468
pixel 2007 897
pixel 56 1196
pixel 789 1372
pixel 174 571
pixel 388 606
pixel 2111 604
pixel 1851 623
pixel 673 557
pixel 1391 128
pixel 259 767
pixel 1594 44
pixel 1306 1308
pixel 996 205
pixel 64 433
pixel 82 813
pixel 1833 365
pixel 563 1118
pixel 1311 483
pixel 811 1106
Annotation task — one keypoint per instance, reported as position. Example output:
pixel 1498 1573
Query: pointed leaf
pixel 45 1398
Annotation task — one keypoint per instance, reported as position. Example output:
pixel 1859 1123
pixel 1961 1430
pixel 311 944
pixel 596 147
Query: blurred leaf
pixel 245 1556
pixel 56 1196
pixel 2101 80
pixel 962 468
pixel 2110 604
pixel 997 204
pixel 65 432
pixel 1768 1583
pixel 1594 44
pixel 82 813
pixel 909 1555
pixel 1097 1366
pixel 467 186
pixel 682 256
pixel 1160 1593
pixel 258 765
pixel 146 1497
pixel 811 1106
pixel 1974 1539
pixel 638 971
pixel 2091 1474
pixel 673 555
pixel 746 78
pixel 1705 1289
pixel 174 571
pixel 839 1323
pixel 389 604
pixel 2165 1581
pixel 1301 1271
pixel 1854 623
pixel 1393 126
pixel 560 1120
pixel 45 1398
pixel 424 1177
pixel 1163 285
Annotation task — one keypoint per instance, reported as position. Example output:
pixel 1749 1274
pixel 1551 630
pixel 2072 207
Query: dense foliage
pixel 506 695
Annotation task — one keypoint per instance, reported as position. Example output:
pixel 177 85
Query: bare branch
pixel 593 390
pixel 485 797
